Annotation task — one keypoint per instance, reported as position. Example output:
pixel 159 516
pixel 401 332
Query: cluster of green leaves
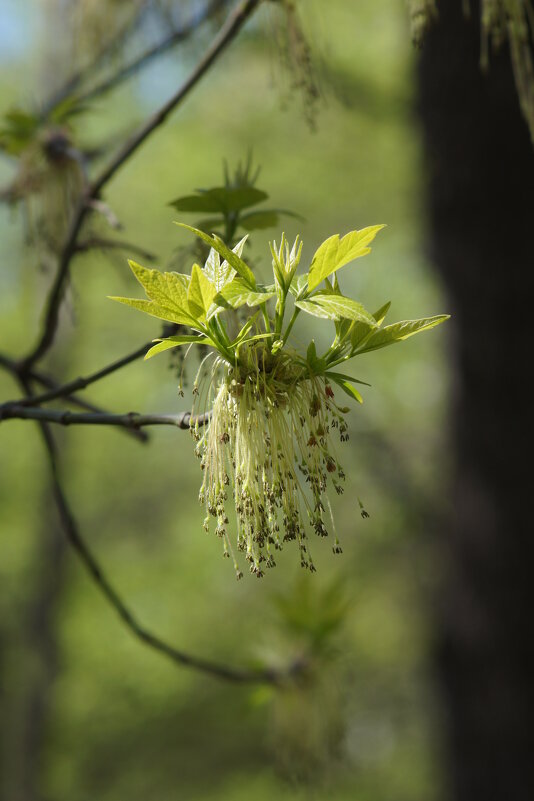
pixel 226 282
pixel 19 129
pixel 232 206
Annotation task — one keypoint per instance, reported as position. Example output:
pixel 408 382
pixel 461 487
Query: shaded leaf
pixel 347 387
pixel 222 199
pixel 266 218
pixel 335 376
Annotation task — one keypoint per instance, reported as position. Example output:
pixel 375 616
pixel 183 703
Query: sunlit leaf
pixel 200 293
pixel 400 331
pixel 299 285
pixel 237 293
pixel 175 342
pixel 347 387
pixel 167 293
pixel 335 253
pixel 155 310
pixel 336 307
pixel 232 258
pixel 361 331
pixel 168 289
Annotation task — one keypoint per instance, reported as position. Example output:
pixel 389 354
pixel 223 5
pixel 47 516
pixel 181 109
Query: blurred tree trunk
pixel 28 679
pixel 481 203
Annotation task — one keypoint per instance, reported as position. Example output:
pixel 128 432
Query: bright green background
pixel 122 722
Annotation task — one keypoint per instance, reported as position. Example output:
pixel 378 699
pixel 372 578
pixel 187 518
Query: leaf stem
pixel 266 320
pixel 296 313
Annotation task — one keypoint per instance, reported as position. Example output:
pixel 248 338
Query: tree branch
pixel 57 391
pixel 132 420
pixel 70 527
pixel 81 383
pixel 226 35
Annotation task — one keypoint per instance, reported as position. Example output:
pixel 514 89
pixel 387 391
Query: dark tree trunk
pixel 481 204
pixel 28 685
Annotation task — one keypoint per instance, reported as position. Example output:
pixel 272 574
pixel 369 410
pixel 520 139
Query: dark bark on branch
pixel 134 420
pixel 58 391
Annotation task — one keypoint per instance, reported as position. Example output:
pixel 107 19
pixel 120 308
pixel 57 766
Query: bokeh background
pixel 86 711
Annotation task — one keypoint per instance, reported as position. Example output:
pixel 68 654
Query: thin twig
pixel 70 527
pixel 134 420
pixel 65 390
pixel 173 39
pixel 227 33
pixel 57 391
pixel 108 49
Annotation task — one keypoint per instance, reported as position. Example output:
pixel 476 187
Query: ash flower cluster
pixel 268 452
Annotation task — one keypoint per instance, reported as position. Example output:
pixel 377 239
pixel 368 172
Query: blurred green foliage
pixel 120 721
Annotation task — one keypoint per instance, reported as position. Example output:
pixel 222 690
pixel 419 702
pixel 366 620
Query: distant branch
pixel 227 33
pixel 137 64
pixel 100 243
pixel 106 51
pixel 80 383
pixel 70 527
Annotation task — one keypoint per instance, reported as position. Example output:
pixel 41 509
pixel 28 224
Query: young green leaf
pixel 311 353
pixel 361 331
pixel 200 293
pixel 399 331
pixel 335 253
pixel 175 342
pixel 381 313
pixel 168 289
pixel 237 293
pixel 299 285
pixel 336 307
pixel 342 377
pixel 347 387
pixel 232 258
pixel 219 273
pixel 180 317
pixel 245 329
